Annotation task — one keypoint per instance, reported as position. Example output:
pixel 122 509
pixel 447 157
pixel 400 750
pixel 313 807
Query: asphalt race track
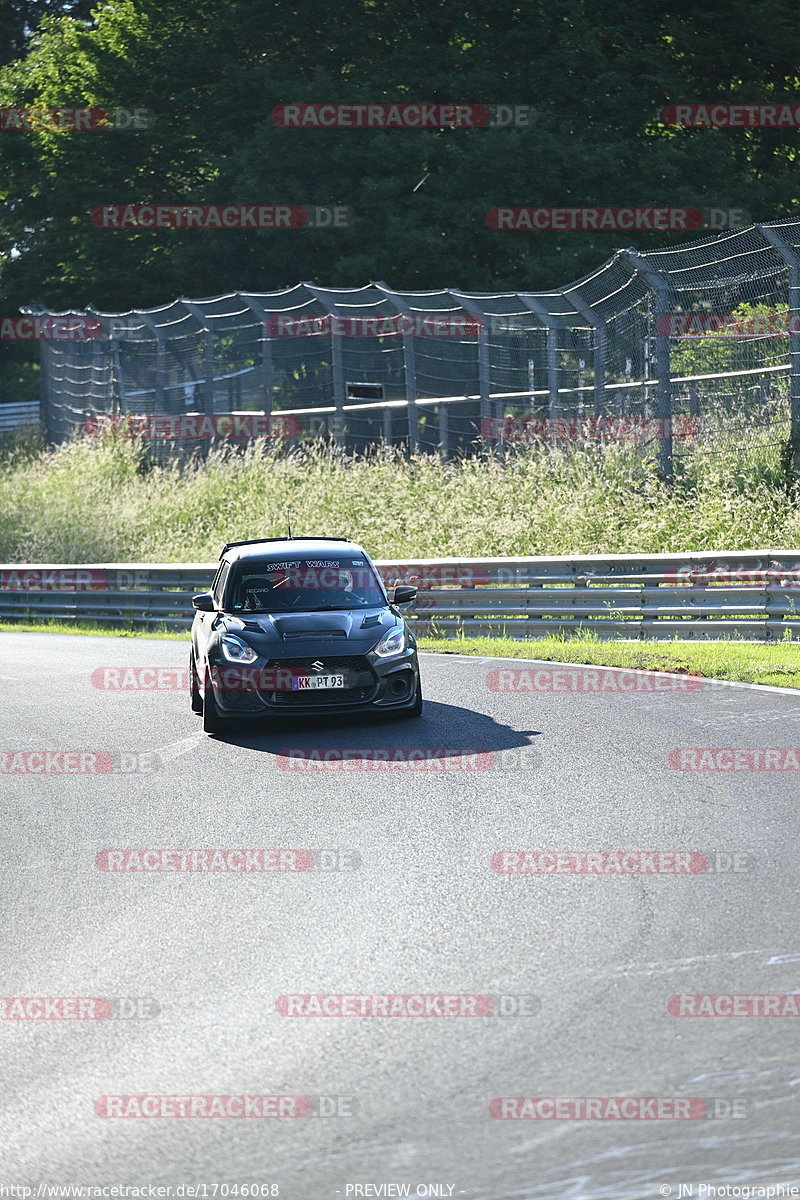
pixel 414 907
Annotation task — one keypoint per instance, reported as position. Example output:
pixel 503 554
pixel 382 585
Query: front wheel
pixel 212 722
pixel 194 686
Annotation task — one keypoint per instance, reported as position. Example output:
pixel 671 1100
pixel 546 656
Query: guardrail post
pixel 662 294
pixel 792 261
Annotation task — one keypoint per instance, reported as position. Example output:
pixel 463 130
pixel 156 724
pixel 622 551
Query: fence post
pixel 552 325
pixel 267 366
pixel 338 389
pixel 409 365
pixel 444 433
pixel 158 330
pixel 44 394
pixel 337 367
pixel 484 366
pixel 662 294
pixel 208 354
pixel 792 262
pixel 598 349
pixel 103 358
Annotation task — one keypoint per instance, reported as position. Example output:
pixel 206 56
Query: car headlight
pixel 393 643
pixel 235 650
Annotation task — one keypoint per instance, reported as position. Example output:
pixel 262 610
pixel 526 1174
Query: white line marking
pixel 176 749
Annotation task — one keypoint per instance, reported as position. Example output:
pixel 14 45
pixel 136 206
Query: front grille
pixel 335 664
pixel 358 676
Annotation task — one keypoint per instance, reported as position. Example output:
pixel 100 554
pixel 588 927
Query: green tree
pixel 597 74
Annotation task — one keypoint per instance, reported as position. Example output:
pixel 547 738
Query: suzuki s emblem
pixel 317 666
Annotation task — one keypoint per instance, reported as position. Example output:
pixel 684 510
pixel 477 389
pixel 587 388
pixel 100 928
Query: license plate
pixel 302 683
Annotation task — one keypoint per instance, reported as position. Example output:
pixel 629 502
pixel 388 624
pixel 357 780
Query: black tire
pixel 194 686
pixel 416 708
pixel 212 722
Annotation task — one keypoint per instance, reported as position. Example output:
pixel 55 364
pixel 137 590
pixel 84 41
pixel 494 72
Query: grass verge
pixel 776 664
pixel 89 502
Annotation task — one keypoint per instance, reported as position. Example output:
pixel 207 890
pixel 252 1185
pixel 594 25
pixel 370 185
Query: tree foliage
pixel 598 75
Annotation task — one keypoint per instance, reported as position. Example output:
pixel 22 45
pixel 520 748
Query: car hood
pixel 300 634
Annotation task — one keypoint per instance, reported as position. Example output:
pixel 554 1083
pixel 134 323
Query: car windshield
pixel 305 585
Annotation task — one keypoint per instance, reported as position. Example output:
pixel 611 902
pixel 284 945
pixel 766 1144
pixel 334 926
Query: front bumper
pixel 264 687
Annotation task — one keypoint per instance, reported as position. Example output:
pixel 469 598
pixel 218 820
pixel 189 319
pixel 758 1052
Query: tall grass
pixel 92 501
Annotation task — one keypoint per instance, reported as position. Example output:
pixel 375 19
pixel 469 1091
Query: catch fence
pixel 694 345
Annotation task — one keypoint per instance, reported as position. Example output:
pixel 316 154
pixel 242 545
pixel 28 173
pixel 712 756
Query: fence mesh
pixel 693 346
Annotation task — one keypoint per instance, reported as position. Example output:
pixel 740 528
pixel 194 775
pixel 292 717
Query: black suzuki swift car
pixel 300 625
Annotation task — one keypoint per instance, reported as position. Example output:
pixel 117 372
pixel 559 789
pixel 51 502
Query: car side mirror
pixel 204 602
pixel 403 594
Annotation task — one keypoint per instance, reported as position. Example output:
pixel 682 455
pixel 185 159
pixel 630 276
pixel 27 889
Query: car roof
pixel 277 550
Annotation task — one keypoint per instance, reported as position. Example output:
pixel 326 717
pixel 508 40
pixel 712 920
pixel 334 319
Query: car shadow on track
pixel 443 731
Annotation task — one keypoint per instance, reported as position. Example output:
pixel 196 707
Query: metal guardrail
pixel 19 414
pixel 752 595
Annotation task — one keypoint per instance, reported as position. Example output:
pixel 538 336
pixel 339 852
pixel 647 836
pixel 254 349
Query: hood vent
pixel 291 635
